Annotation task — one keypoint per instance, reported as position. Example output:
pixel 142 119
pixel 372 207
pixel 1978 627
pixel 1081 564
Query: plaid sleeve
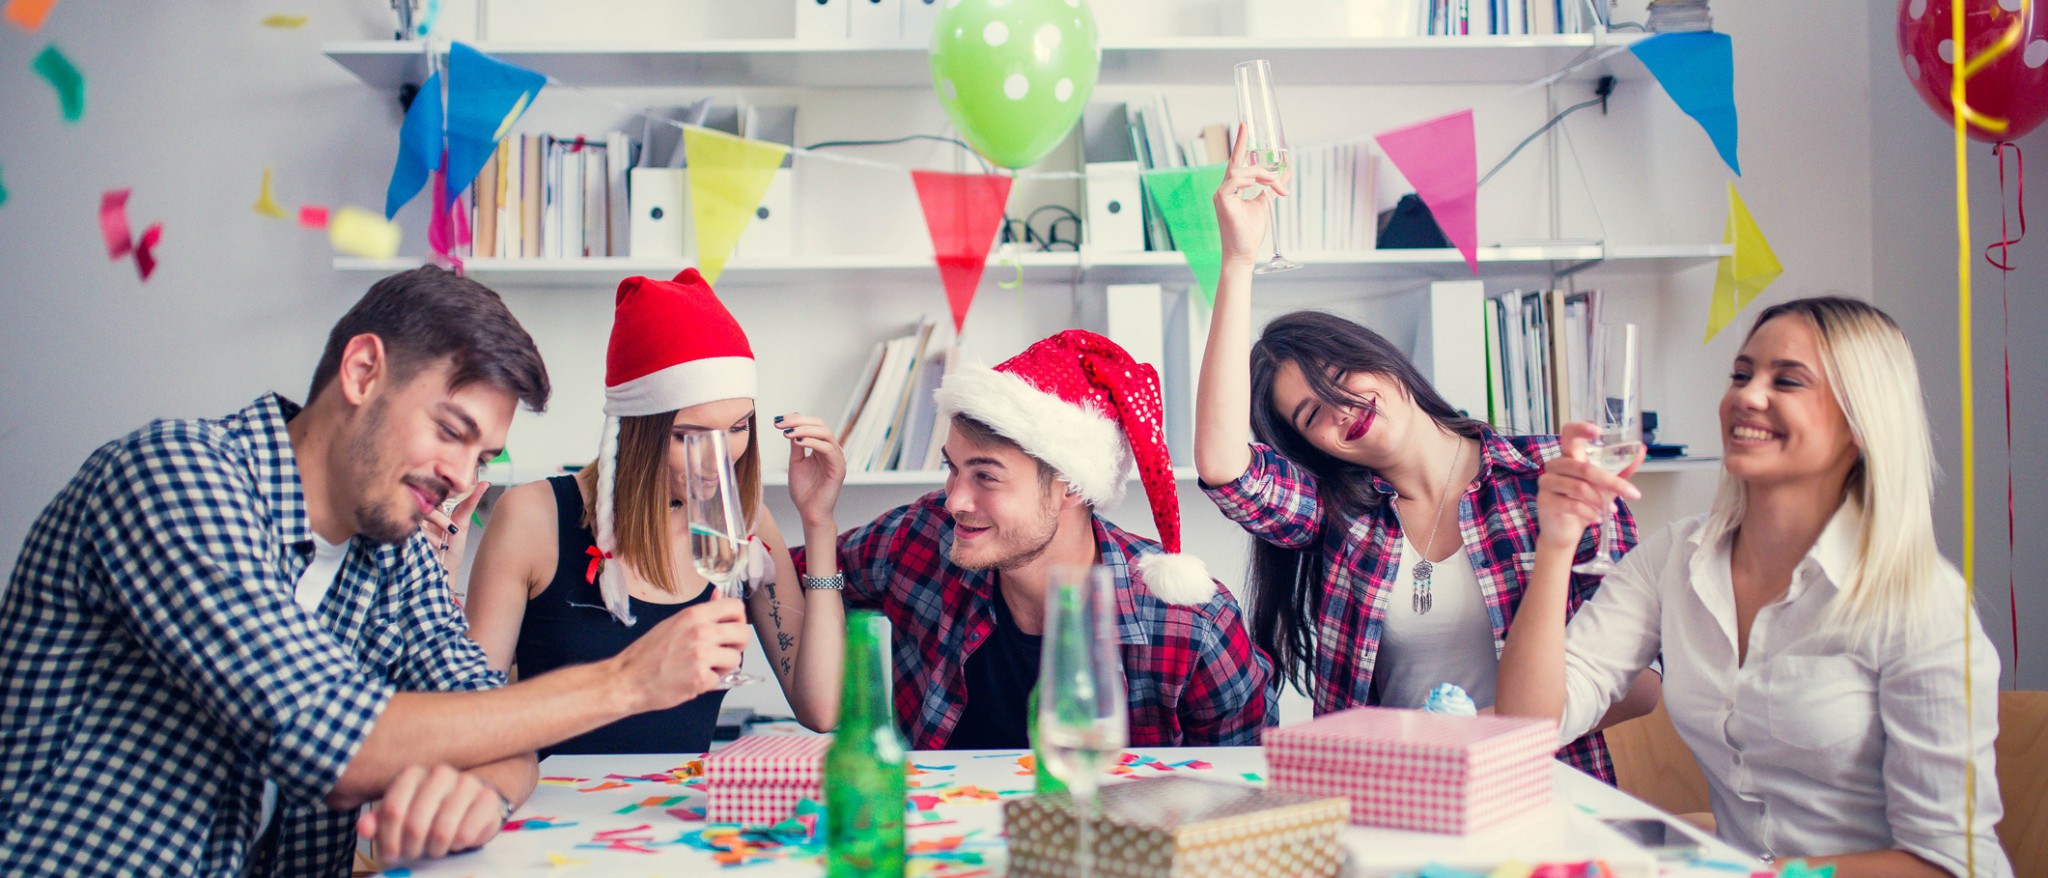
pixel 1231 693
pixel 439 656
pixel 188 570
pixel 1275 500
pixel 866 555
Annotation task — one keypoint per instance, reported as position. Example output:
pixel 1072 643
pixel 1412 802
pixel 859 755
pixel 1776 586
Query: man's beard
pixel 1036 545
pixel 365 464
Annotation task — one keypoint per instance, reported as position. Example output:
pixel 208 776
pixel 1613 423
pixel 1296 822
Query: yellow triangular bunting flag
pixel 728 177
pixel 1742 275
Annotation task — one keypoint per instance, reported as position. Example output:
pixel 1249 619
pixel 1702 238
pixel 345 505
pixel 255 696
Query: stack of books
pixel 1537 356
pixel 1672 16
pixel 890 421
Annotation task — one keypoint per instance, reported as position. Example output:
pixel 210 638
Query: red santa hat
pixel 1082 405
pixel 673 346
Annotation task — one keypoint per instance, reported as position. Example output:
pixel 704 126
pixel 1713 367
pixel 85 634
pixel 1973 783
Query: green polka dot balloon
pixel 1014 74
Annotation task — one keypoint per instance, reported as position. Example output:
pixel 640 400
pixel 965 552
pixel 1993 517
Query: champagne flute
pixel 1613 403
pixel 712 505
pixel 1082 722
pixel 1259 111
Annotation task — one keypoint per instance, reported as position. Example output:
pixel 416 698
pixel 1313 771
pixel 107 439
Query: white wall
pixel 188 106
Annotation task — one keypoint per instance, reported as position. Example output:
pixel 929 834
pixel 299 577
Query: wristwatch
pixel 835 582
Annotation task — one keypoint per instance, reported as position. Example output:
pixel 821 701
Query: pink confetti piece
pixel 145 249
pixel 610 834
pixel 314 217
pixel 687 815
pixel 607 785
pixel 925 803
pixel 114 224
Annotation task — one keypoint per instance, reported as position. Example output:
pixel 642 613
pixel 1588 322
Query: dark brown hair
pixel 429 314
pixel 1286 584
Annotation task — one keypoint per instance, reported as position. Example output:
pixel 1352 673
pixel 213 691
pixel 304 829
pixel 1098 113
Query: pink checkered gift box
pixel 1405 769
pixel 759 779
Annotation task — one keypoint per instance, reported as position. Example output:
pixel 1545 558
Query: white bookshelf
pixel 1505 262
pixel 1158 61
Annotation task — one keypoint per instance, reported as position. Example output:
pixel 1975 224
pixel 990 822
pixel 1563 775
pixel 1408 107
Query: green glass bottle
pixel 866 770
pixel 1047 785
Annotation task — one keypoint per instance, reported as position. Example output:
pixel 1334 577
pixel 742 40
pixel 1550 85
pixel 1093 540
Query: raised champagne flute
pixel 1265 143
pixel 1082 714
pixel 1613 403
pixel 717 527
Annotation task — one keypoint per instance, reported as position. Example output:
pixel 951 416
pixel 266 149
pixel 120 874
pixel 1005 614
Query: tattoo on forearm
pixel 784 640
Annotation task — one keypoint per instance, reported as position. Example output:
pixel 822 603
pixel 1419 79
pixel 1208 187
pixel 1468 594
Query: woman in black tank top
pixel 574 569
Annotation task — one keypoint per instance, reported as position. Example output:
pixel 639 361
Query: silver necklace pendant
pixel 1423 598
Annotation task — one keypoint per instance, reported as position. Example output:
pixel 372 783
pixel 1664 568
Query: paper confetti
pixel 359 232
pixel 314 216
pixel 114 224
pixel 58 71
pixel 530 824
pixel 145 250
pixel 3 193
pixel 557 781
pixel 29 14
pixel 266 204
pixel 561 862
pixel 286 22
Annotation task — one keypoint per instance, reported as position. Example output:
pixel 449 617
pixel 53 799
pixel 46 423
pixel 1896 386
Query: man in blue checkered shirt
pixel 224 636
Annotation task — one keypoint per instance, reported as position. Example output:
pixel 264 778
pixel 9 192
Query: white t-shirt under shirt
pixel 1452 643
pixel 312 588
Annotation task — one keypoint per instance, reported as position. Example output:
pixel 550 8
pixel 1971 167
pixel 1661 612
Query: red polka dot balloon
pixel 2013 87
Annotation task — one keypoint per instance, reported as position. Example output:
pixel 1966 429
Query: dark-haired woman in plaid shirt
pixel 1394 533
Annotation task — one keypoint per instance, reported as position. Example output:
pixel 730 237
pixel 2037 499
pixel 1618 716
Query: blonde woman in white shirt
pixel 1813 638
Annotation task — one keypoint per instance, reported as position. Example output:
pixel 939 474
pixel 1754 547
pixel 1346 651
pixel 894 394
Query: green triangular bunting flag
pixel 1183 197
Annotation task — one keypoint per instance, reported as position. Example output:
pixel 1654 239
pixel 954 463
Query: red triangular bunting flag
pixel 962 212
pixel 1439 160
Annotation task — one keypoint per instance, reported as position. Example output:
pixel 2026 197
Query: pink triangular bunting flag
pixel 1439 159
pixel 962 212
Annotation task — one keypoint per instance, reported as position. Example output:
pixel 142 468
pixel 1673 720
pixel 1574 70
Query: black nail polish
pixel 451 528
pixel 778 419
pixel 788 430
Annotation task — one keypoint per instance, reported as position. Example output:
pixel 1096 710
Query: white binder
pixel 661 214
pixel 875 21
pixel 822 21
pixel 1115 214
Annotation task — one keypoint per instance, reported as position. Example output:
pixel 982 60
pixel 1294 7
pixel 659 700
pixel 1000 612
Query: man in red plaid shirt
pixel 1035 445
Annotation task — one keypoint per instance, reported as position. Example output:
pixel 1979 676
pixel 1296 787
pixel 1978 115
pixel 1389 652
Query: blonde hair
pixel 641 496
pixel 1870 367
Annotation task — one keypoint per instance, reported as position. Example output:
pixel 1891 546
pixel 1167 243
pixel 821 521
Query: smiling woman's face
pixel 1780 420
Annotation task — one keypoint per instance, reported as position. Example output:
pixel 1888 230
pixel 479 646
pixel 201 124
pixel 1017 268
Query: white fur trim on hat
pixel 1084 445
pixel 682 385
pixel 1182 580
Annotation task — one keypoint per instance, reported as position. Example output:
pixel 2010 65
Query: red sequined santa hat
pixel 1082 405
pixel 673 346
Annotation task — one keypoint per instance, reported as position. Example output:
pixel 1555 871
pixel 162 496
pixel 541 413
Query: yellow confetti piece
pixel 266 203
pixel 286 22
pixel 358 232
pixel 1512 869
pixel 561 862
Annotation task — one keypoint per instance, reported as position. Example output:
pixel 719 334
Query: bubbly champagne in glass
pixel 1082 714
pixel 1265 141
pixel 716 524
pixel 1614 404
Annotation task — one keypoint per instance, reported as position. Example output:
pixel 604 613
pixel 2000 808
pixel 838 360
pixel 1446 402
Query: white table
pixel 610 796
